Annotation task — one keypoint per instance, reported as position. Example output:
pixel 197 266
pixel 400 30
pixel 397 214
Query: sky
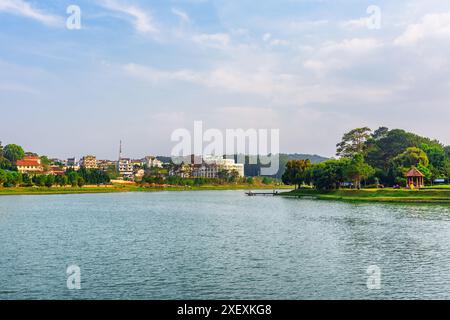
pixel 138 70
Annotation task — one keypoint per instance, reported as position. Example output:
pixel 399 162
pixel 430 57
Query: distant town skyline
pixel 138 70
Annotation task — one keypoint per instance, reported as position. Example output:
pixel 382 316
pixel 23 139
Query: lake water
pixel 220 245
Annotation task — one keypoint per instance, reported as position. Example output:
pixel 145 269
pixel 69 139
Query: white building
pixel 152 162
pixel 212 165
pixel 89 162
pixel 125 167
pixel 72 163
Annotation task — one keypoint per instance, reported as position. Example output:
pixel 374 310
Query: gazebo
pixel 415 178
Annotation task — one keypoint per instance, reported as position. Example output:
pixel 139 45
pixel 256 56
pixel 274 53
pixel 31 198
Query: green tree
pixel 353 142
pixel 81 182
pixel 401 164
pixel 447 170
pixel 50 181
pixel 437 157
pixel 4 163
pixel 223 174
pixel 296 172
pixel 426 172
pixel 62 180
pixel 45 161
pixel 380 133
pixel 26 180
pixel 234 176
pixel 13 179
pixel 329 175
pixel 13 152
pixel 447 151
pixel 72 178
pixel 380 152
pixel 39 180
pixel 358 170
pixel 267 180
pixel 412 157
pixel 3 177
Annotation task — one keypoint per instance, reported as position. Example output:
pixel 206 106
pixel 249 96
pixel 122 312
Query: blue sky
pixel 138 70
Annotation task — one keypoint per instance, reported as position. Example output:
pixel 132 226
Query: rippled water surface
pixel 220 245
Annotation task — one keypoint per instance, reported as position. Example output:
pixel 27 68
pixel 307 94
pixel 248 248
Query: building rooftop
pixel 414 172
pixel 28 163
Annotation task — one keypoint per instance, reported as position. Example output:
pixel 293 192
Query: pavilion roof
pixel 414 172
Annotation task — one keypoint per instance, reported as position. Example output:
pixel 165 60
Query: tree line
pixel 161 176
pixel 9 177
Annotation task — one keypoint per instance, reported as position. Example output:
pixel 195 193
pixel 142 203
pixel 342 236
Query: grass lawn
pixel 439 187
pixel 425 195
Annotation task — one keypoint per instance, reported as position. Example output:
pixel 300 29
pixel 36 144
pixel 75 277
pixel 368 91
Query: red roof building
pixel 56 171
pixel 30 165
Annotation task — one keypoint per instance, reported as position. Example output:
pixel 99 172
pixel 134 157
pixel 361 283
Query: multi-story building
pixel 30 165
pixel 212 165
pixel 209 167
pixel 89 162
pixel 125 167
pixel 105 165
pixel 72 163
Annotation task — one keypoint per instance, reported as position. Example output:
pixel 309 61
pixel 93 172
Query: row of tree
pixel 74 178
pixel 328 175
pixel 9 177
pixel 160 176
pixel 380 157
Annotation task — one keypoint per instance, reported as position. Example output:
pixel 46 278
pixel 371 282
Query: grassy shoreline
pixel 426 195
pixel 129 188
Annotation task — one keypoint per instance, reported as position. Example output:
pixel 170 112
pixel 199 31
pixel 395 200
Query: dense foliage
pixel 379 158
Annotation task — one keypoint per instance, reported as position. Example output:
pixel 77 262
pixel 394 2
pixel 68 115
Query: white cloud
pixel 24 9
pixel 435 25
pixel 355 45
pixel 225 78
pixel 267 37
pixel 184 17
pixel 356 23
pixel 216 40
pixel 157 76
pixel 262 82
pixel 142 20
pixel 279 42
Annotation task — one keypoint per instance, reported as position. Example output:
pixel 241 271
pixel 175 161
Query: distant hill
pixel 299 156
